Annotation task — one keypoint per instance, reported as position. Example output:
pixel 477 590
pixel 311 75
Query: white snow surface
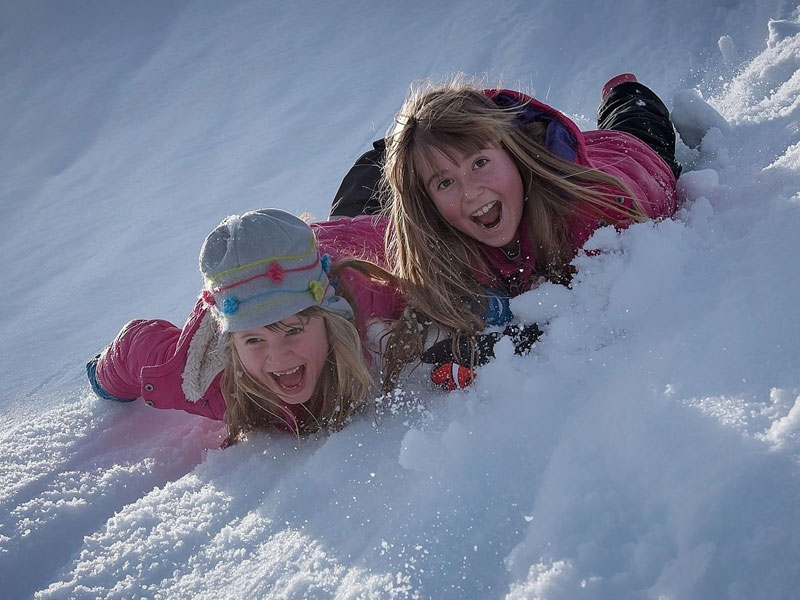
pixel 648 447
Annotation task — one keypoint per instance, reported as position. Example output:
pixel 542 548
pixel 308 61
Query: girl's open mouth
pixel 290 380
pixel 489 215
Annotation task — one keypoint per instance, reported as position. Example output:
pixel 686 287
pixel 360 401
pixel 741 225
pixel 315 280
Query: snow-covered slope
pixel 647 448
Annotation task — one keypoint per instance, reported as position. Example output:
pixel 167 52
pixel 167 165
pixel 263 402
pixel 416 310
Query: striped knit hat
pixel 264 266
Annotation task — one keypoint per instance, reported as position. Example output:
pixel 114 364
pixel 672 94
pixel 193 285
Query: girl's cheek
pixel 448 201
pixel 249 359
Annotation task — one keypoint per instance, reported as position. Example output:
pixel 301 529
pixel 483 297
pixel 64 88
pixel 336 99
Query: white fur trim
pixel 204 359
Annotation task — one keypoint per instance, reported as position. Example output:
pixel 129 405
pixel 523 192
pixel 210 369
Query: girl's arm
pixel 140 343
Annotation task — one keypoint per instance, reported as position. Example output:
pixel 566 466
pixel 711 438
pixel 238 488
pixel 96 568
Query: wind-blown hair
pixel 435 263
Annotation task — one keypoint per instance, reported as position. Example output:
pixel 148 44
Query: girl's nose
pixel 472 189
pixel 269 354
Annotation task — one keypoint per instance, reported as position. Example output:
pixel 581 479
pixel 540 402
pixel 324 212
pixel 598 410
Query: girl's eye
pixel 294 331
pixel 444 184
pixel 251 341
pixel 481 162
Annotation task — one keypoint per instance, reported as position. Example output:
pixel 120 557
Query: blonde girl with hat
pixel 277 337
pixel 493 191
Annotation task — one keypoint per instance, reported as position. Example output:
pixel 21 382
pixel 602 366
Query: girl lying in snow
pixel 277 338
pixel 493 191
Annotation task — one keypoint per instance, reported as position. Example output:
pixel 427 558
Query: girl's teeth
pixel 483 210
pixel 290 379
pixel 289 372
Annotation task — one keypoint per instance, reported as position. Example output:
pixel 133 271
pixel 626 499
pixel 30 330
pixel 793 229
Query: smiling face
pixel 286 357
pixel 481 194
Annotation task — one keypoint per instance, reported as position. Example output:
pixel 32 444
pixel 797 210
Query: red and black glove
pixel 451 376
pixel 477 350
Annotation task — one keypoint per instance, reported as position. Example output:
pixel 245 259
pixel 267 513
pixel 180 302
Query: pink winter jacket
pixel 171 367
pixel 616 153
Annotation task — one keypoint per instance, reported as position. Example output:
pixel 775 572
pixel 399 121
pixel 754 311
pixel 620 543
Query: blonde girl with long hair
pixel 277 337
pixel 492 191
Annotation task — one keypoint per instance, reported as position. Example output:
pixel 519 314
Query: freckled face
pixel 481 195
pixel 287 357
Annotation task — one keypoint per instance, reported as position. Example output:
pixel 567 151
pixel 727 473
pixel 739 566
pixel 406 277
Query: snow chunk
pixel 785 430
pixel 547 580
pixel 698 183
pixel 694 117
pixel 789 160
pixel 416 451
pixel 728 49
pixel 779 30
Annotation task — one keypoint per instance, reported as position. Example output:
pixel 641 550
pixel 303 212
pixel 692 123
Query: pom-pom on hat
pixel 262 267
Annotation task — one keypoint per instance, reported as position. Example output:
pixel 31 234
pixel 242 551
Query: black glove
pixel 523 338
pixel 478 350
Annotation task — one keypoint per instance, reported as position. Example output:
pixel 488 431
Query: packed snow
pixel 648 447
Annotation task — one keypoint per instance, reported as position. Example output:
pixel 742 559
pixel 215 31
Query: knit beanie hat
pixel 264 266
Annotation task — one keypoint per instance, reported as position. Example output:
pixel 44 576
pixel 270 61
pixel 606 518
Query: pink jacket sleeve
pixel 139 344
pixel 356 237
pixel 361 237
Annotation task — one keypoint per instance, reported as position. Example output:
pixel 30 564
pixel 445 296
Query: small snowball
pixel 728 49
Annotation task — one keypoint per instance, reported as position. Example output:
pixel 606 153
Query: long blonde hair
pixel 434 261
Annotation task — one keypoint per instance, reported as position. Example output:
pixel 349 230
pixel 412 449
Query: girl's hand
pixel 479 349
pixel 450 376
